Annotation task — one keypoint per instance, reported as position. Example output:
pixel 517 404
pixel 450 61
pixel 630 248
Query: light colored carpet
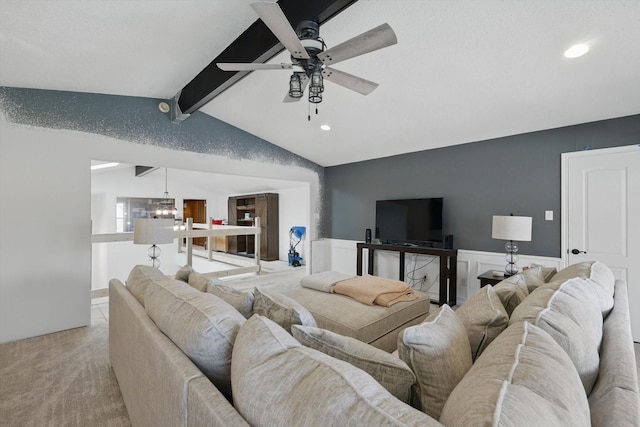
pixel 61 379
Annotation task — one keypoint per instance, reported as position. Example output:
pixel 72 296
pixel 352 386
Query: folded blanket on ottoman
pixel 323 281
pixel 372 290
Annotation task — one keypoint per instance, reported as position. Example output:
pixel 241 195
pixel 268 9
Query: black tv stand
pixel 448 265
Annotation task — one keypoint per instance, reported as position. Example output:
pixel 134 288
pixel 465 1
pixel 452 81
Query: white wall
pixel 45 218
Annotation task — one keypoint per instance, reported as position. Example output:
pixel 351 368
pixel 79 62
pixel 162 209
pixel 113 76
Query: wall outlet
pixel 548 215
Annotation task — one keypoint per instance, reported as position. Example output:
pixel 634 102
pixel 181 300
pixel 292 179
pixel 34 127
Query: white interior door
pixel 601 215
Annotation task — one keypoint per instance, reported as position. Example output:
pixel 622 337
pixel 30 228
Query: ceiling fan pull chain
pixel 309 111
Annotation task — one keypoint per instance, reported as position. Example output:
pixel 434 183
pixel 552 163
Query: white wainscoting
pixel 340 255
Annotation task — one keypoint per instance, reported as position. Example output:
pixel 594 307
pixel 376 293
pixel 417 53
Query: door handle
pixel 577 251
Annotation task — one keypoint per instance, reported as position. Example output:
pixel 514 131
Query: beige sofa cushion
pixel 281 309
pixel 139 278
pixel 279 382
pixel 202 325
pixel 391 372
pixel 523 378
pixel 240 300
pixel 596 274
pixel 438 352
pixel 570 313
pixel 484 318
pixel 512 291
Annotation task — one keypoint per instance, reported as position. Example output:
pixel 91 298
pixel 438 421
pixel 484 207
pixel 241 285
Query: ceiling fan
pixel 310 57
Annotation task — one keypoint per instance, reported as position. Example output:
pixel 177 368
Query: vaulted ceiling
pixel 462 71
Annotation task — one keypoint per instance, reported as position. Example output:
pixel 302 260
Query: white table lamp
pixel 155 232
pixel 511 228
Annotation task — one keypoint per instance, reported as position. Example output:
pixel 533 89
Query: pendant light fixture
pixel 165 206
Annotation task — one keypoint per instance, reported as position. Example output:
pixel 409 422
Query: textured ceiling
pixel 462 71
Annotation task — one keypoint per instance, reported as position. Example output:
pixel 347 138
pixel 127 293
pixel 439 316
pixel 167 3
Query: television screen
pixel 409 221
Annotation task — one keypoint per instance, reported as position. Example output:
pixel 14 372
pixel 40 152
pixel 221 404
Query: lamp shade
pixel 152 231
pixel 511 228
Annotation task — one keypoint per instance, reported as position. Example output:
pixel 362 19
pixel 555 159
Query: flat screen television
pixel 409 221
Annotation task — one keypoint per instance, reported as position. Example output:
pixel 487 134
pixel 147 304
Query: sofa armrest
pixel 153 374
pixel 614 400
pixel 208 407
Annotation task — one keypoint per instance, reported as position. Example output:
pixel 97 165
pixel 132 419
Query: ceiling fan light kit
pixel 308 53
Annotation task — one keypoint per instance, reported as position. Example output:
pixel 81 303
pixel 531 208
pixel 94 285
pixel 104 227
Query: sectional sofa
pixel 524 352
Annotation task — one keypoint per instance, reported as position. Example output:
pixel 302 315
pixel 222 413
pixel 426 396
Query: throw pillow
pixel 484 318
pixel 279 382
pixel 523 378
pixel 512 291
pixel 281 309
pixel 199 281
pixel 570 313
pixel 534 277
pixel 140 277
pixel 391 372
pixel 202 325
pixel 240 300
pixel 184 272
pixel 438 353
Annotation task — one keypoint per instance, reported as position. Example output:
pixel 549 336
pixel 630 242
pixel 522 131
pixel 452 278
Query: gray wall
pixel 518 174
pixel 139 120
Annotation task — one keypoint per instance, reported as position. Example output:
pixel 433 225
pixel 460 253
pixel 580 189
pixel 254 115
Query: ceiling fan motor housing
pixel 309 34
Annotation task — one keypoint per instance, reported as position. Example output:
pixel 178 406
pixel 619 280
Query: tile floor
pixel 99 310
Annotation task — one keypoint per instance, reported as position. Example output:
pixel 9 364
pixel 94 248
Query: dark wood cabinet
pixel 242 211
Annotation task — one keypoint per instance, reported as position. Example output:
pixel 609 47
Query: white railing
pixel 190 231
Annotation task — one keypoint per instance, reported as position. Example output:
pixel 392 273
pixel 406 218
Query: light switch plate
pixel 548 215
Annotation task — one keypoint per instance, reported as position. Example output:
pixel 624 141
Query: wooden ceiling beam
pixel 256 44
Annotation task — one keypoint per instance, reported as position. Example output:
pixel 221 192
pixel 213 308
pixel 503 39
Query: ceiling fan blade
pixel 374 39
pixel 274 18
pixel 357 84
pixel 304 81
pixel 239 66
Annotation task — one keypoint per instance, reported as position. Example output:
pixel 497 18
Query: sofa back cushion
pixel 279 382
pixel 391 372
pixel 139 278
pixel 438 352
pixel 570 313
pixel 595 273
pixel 484 317
pixel 202 325
pixel 523 378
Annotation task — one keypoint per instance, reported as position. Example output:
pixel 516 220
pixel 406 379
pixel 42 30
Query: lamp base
pixel 511 257
pixel 154 255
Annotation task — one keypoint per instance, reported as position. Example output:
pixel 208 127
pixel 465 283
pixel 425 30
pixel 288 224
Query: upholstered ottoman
pixel 375 325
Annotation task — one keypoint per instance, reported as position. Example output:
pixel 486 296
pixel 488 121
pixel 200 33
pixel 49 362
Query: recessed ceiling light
pixel 104 165
pixel 576 50
pixel 325 127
